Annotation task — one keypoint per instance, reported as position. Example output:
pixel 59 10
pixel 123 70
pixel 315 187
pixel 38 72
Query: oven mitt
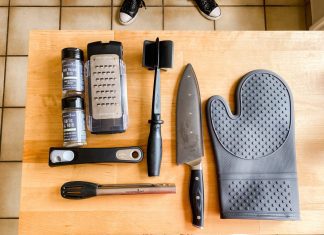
pixel 255 149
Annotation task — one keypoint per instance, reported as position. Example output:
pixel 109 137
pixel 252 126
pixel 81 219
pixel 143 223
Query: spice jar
pixel 73 117
pixel 72 71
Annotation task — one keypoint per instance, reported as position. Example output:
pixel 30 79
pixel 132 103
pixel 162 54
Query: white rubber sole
pixel 129 22
pixel 209 17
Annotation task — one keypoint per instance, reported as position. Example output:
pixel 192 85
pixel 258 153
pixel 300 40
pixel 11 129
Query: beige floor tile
pixel 9 226
pixel 24 19
pixel 147 2
pixel 2 68
pixel 220 2
pixel 4 2
pixel 185 18
pixel 10 180
pixel 284 2
pixel 12 141
pixel 3 29
pixel 86 18
pixel 16 79
pixel 240 2
pixel 241 18
pixel 179 3
pixel 35 3
pixel 86 2
pixel 285 18
pixel 147 19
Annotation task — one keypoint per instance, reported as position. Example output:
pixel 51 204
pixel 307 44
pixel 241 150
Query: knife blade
pixel 190 140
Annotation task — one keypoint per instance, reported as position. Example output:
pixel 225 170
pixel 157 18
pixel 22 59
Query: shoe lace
pixel 206 4
pixel 131 4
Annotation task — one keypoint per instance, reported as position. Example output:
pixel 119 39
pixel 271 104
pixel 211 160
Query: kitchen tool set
pixel 254 148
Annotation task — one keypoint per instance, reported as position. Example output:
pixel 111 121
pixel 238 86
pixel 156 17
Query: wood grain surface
pixel 220 59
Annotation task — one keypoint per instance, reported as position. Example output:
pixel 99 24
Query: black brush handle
pixel 196 193
pixel 154 149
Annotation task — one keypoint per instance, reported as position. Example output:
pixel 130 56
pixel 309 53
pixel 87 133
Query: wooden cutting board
pixel 220 59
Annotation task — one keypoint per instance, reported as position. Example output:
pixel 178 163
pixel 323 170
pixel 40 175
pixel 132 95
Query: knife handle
pixel 196 193
pixel 154 149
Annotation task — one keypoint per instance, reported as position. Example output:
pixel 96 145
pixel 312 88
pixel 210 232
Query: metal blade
pixel 189 127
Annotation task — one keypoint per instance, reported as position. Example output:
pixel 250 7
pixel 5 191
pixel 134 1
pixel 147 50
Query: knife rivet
pixel 188 76
pixel 197 197
pixel 198 217
pixel 196 178
pixel 190 132
pixel 189 94
pixel 190 113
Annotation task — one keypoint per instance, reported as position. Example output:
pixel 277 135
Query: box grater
pixel 107 92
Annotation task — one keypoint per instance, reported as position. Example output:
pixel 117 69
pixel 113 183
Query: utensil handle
pixel 154 149
pixel 129 190
pixel 196 192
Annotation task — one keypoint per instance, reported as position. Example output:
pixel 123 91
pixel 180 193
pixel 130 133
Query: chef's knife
pixel 190 140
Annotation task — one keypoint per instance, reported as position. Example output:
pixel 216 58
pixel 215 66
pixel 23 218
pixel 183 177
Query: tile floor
pixel 17 17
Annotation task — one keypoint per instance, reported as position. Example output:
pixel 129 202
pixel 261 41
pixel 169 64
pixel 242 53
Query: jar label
pixel 72 73
pixel 74 126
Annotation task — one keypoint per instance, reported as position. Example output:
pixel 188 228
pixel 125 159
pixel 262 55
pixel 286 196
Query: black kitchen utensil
pixel 82 189
pixel 190 140
pixel 71 156
pixel 156 54
pixel 255 149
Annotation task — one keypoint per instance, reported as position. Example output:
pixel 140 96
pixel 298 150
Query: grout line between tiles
pixel 13 107
pixel 13 55
pixel 4 76
pixel 60 17
pixel 10 161
pixel 59 6
pixel 162 14
pixel 241 5
pixel 237 5
pixel 265 15
pixel 305 12
pixel 111 14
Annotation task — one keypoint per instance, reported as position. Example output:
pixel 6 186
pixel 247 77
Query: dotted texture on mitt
pixel 263 120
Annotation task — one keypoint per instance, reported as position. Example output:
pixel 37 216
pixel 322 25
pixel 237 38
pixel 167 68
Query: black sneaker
pixel 129 10
pixel 209 9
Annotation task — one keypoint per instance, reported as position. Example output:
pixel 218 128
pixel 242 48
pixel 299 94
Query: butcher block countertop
pixel 220 59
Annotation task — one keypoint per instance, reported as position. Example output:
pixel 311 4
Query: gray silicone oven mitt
pixel 255 149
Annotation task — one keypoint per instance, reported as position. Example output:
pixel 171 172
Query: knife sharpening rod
pixel 156 55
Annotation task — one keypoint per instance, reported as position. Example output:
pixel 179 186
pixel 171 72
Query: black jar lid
pixel 72 53
pixel 73 102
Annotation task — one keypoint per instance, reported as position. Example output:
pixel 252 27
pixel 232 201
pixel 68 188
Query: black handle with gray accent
pixel 255 149
pixel 71 156
pixel 196 192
